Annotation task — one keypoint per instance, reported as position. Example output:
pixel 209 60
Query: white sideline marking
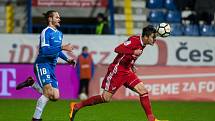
pixel 178 76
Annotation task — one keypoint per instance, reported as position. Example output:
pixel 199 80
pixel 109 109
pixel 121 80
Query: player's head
pixel 53 18
pixel 85 49
pixel 100 17
pixel 149 35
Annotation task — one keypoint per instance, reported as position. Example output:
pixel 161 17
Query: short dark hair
pixel 148 30
pixel 84 48
pixel 101 15
pixel 49 14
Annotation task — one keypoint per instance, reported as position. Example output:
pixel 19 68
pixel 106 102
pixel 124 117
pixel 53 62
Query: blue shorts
pixel 45 74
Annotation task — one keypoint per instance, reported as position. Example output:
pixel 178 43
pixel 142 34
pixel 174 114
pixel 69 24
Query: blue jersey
pixel 50 46
pixel 49 51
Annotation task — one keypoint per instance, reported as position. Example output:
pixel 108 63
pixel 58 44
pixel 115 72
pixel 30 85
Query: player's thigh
pixel 48 91
pixel 134 83
pixel 43 74
pixel 54 81
pixel 112 82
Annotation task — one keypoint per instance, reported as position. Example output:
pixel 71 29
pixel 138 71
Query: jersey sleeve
pixel 46 48
pixel 63 56
pixel 125 48
pixel 50 50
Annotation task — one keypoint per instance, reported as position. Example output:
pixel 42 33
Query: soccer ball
pixel 163 29
pixel 83 96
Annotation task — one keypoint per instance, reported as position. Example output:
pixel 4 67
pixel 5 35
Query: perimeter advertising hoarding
pixel 13 74
pixel 171 51
pixel 175 55
pixel 69 3
pixel 166 83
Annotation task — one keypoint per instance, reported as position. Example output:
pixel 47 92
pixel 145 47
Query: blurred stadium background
pixel 179 70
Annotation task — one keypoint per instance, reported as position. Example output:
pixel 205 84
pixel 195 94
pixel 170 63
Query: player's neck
pixel 144 42
pixel 52 26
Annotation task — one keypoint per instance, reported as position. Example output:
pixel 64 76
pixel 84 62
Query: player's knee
pixel 140 89
pixel 53 98
pixel 56 97
pixel 48 91
pixel 143 91
pixel 106 98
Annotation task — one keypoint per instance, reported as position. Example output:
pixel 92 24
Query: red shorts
pixel 117 76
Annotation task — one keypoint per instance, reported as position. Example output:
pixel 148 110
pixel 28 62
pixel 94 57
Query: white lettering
pixel 162 89
pixel 202 85
pixel 4 74
pixel 206 86
pixel 211 86
pixel 188 87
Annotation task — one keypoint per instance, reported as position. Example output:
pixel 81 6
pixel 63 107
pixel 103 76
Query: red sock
pixel 90 101
pixel 144 100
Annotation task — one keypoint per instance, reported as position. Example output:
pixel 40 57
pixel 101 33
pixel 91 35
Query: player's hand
pixel 67 47
pixel 138 52
pixel 72 62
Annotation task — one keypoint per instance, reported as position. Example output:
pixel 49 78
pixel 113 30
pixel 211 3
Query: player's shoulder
pixel 135 38
pixel 48 30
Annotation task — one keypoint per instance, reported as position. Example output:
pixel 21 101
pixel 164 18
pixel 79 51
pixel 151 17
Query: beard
pixel 57 24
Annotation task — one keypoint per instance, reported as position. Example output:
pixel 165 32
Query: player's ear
pixel 50 19
pixel 145 37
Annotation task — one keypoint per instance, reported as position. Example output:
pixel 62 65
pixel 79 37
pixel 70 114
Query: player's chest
pixel 56 39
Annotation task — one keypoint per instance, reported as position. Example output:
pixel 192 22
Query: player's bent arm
pixel 70 61
pixel 62 56
pixel 67 47
pixel 122 49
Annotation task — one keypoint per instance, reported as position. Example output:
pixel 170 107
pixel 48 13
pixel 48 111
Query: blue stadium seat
pixel 170 5
pixel 156 16
pixel 176 29
pixel 173 17
pixel 191 30
pixel 207 30
pixel 155 24
pixel 154 4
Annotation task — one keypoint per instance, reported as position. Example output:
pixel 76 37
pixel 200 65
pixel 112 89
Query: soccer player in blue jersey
pixel 50 48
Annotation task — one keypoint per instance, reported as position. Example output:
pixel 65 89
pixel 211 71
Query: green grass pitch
pixel 22 110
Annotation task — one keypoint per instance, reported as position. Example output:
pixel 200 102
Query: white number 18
pixel 43 71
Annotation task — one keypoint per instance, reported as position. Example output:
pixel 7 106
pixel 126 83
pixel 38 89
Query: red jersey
pixel 119 72
pixel 126 57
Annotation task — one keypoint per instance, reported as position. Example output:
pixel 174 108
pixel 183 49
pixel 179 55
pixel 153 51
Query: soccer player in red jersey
pixel 121 72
